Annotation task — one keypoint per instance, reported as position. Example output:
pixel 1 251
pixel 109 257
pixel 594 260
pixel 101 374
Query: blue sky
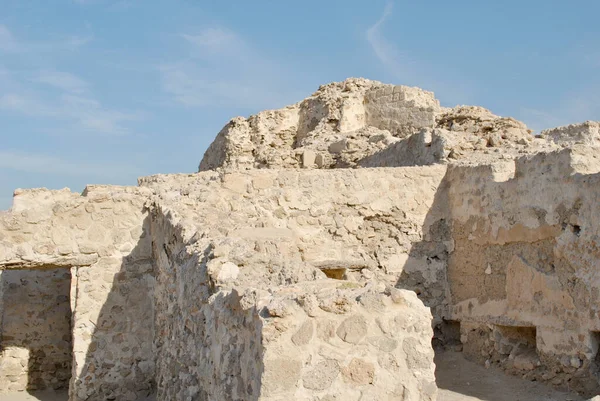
pixel 99 91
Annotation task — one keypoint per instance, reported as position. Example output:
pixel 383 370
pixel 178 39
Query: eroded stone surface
pixel 276 274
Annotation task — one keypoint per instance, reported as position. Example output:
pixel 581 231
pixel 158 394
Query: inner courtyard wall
pixel 526 258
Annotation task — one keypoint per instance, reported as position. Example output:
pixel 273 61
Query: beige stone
pixel 284 270
pixel 353 329
pixel 359 372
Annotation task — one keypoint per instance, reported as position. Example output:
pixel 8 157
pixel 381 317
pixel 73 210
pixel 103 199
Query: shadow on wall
pixel 209 344
pixel 162 331
pixel 420 149
pixel 35 325
pixel 425 270
pixel 119 363
pixel 143 314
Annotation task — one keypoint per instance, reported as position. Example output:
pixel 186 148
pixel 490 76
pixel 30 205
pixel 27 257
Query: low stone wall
pixel 101 236
pixel 327 341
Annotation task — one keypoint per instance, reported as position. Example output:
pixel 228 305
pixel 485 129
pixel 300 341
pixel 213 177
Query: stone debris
pixel 317 255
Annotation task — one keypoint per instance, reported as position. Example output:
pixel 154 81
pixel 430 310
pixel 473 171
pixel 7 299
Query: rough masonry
pixel 320 253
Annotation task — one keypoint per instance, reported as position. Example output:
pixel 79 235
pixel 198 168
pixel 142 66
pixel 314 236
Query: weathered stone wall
pixel 366 123
pixel 525 261
pixel 401 110
pixel 101 236
pixel 328 338
pixel 35 329
pixel 207 345
pixel 587 133
pixel 383 224
pixel 209 259
pixel 225 242
pixel 261 280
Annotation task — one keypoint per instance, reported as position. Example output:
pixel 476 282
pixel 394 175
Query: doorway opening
pixel 36 349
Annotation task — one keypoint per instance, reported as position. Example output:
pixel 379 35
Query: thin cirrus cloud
pixel 386 52
pixel 215 39
pixel 222 70
pixel 574 108
pixel 7 41
pixel 87 114
pixel 57 95
pixel 62 80
pixel 50 165
pixel 10 44
pixel 410 70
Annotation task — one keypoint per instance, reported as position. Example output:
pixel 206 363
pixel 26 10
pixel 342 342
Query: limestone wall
pixel 368 223
pixel 214 238
pixel 523 276
pixel 280 270
pixel 226 243
pixel 101 237
pixel 207 344
pixel 401 110
pixel 220 338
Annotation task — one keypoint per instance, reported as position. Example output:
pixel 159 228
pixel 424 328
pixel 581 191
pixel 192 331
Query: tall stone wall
pixel 207 345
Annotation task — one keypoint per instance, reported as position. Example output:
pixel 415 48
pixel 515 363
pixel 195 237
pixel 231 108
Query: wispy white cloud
pixel 216 39
pixel 7 41
pixel 93 117
pixel 50 165
pixel 57 95
pixel 69 101
pixel 408 70
pixel 10 44
pixel 574 107
pixel 223 70
pixel 26 105
pixel 194 87
pixel 387 53
pixel 85 114
pixel 75 41
pixel 62 80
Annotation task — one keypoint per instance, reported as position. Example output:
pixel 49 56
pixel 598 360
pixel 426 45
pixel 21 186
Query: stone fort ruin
pixel 321 252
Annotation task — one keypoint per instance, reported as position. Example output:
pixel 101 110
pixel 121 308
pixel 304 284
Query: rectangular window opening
pixel 515 340
pixel 447 335
pixel 335 273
